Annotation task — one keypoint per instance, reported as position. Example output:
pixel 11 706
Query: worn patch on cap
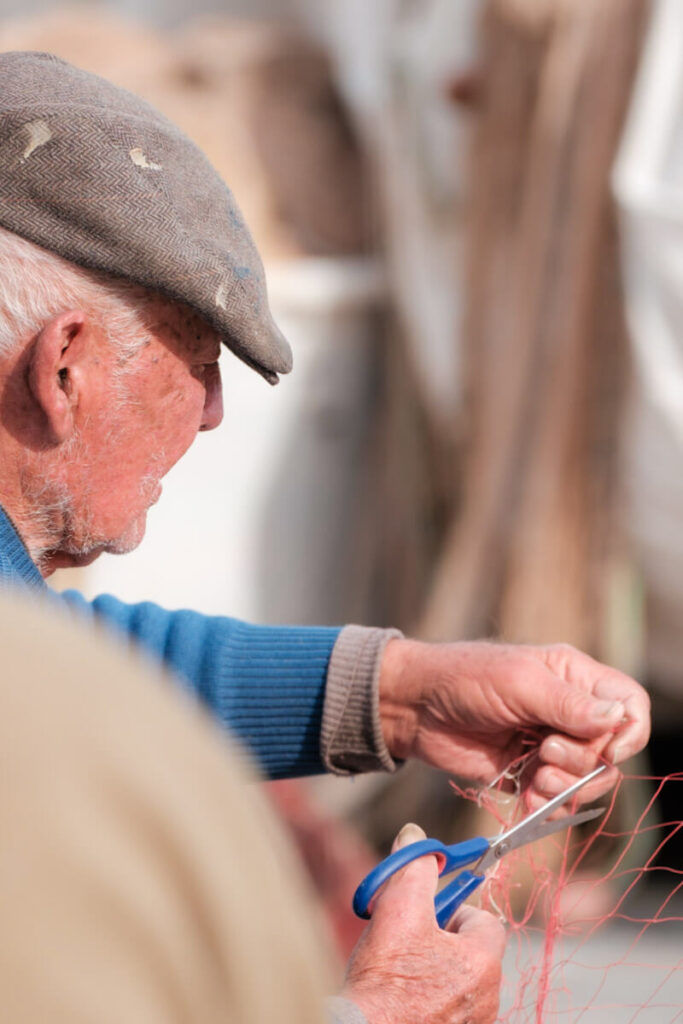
pixel 37 134
pixel 140 160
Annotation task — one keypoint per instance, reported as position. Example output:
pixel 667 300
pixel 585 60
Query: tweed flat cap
pixel 93 173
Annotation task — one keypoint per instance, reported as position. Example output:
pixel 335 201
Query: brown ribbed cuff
pixel 351 737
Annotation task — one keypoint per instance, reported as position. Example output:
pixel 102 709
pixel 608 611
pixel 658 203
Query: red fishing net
pixel 594 914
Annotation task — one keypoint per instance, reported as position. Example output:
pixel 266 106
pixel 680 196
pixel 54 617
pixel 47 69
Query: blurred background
pixel 471 217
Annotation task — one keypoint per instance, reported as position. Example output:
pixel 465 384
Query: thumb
pixel 569 709
pixel 409 894
pixel 410 833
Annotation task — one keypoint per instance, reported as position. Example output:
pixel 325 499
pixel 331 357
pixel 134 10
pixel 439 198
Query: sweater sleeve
pixel 351 738
pixel 266 683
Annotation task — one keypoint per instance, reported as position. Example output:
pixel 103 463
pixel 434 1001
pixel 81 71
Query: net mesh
pixel 594 914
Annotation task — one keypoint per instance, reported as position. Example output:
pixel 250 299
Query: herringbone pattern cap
pixel 98 176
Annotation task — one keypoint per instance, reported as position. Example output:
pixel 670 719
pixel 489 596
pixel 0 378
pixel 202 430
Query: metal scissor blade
pixel 539 830
pixel 535 826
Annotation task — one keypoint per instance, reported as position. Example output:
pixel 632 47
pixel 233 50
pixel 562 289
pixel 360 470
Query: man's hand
pixel 467 708
pixel 407 970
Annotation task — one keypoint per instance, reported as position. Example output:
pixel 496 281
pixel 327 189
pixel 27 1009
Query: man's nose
pixel 213 403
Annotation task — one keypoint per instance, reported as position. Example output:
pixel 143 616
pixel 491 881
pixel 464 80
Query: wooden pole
pixel 529 552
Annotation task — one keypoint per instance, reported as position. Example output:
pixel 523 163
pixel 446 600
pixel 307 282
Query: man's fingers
pixel 549 782
pixel 634 732
pixel 575 757
pixel 612 701
pixel 410 833
pixel 479 925
pixel 568 709
pixel 408 896
pixel 629 736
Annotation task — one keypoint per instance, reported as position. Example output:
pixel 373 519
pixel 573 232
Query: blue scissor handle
pixel 450 858
pixel 452 895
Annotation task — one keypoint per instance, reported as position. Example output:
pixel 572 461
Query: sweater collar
pixel 16 565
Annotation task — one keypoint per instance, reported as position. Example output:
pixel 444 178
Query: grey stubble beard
pixel 52 519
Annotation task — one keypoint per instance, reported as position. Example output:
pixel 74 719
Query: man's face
pixel 133 429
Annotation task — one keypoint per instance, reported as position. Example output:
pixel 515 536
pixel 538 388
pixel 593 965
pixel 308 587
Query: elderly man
pixel 124 264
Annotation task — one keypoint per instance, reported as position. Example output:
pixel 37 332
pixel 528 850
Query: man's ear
pixel 54 376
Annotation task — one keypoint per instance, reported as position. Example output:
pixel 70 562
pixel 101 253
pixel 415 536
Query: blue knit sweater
pixel 266 683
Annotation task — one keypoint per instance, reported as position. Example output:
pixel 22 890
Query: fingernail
pixel 620 753
pixel 410 833
pixel 555 752
pixel 609 709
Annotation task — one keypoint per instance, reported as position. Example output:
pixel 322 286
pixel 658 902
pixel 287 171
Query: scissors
pixel 481 852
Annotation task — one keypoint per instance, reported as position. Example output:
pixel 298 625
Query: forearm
pixel 266 684
pixel 302 699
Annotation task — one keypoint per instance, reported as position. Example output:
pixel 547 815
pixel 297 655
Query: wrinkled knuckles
pixel 559 657
pixel 570 703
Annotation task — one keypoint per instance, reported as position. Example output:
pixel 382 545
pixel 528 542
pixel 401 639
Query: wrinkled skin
pixel 88 431
pixel 472 708
pixel 406 970
pixel 172 392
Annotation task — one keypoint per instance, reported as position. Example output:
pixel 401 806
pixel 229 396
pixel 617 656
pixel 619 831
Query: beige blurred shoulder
pixel 143 877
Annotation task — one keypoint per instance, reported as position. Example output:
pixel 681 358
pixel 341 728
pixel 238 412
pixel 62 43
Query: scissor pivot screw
pixel 501 850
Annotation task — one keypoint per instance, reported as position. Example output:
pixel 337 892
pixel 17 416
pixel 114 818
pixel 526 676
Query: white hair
pixel 36 285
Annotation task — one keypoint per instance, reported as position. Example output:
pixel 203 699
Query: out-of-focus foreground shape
pixel 142 878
